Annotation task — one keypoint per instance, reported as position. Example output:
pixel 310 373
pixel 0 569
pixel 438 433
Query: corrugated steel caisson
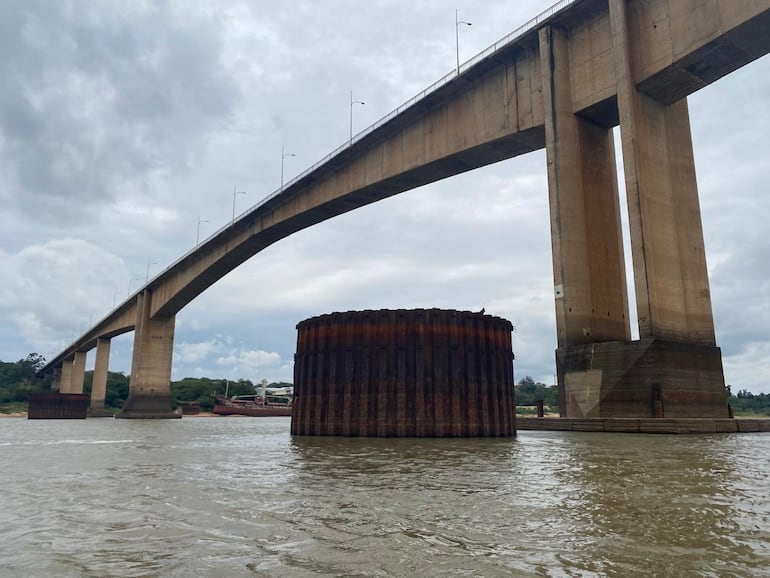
pixel 404 373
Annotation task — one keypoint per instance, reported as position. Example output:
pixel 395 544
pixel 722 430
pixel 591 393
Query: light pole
pixel 283 156
pixel 198 232
pixel 115 296
pixel 236 192
pixel 352 102
pixel 457 39
pixel 147 277
pixel 130 281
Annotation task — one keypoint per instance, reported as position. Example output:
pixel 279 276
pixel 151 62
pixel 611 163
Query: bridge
pixel 560 82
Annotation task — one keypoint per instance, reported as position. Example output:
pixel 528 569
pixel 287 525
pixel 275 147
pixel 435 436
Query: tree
pixel 529 392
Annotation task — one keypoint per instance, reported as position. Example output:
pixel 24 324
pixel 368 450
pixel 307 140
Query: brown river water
pixel 241 497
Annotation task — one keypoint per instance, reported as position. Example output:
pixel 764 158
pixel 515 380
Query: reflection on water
pixel 240 497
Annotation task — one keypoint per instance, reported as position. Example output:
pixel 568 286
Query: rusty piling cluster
pixel 404 373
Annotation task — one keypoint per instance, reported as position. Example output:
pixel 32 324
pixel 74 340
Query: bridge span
pixel 561 82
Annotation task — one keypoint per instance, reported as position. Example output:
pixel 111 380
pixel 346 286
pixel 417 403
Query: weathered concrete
pixel 65 384
pixel 589 272
pixel 99 386
pixel 672 289
pixel 149 392
pixel 78 372
pixel 642 425
pixel 646 379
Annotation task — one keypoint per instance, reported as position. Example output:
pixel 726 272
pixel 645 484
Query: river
pixel 241 497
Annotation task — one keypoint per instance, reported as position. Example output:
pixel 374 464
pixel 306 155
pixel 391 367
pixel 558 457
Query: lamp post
pixel 283 156
pixel 198 232
pixel 130 281
pixel 457 39
pixel 352 102
pixel 236 192
pixel 147 277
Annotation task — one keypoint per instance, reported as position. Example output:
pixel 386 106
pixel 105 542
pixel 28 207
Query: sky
pixel 126 127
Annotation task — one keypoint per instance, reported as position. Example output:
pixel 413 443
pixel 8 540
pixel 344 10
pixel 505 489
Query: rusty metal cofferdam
pixel 404 373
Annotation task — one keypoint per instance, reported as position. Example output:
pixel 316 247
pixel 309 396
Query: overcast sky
pixel 122 123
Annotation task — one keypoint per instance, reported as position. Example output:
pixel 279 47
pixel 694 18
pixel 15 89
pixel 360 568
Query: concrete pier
pixel 149 394
pixel 646 426
pixel 99 385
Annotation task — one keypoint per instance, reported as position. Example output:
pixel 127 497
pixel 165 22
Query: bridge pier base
pixel 149 395
pixel 648 378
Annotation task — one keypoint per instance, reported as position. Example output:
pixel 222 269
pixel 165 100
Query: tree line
pixel 20 378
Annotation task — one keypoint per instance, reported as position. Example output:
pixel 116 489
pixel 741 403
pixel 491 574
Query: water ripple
pixel 239 497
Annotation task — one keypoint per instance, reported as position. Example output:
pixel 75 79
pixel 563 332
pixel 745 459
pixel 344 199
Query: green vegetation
pixel 202 390
pixel 529 392
pixel 748 404
pixel 19 379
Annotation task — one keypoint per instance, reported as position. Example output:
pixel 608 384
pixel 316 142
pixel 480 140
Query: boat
pixel 253 405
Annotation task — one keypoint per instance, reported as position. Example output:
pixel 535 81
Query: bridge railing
pixel 499 45
pixel 492 49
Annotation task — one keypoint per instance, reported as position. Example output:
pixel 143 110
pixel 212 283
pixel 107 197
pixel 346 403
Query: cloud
pixel 221 356
pixel 51 292
pixel 98 96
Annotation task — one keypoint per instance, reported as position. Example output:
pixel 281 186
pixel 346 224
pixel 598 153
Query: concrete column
pixel 149 392
pixel 78 372
pixel 670 275
pixel 587 243
pixel 101 365
pixel 65 385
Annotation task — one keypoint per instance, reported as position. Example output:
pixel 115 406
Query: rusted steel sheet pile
pixel 58 406
pixel 404 373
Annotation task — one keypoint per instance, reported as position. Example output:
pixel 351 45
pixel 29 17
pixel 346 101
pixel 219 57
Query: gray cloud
pixel 99 95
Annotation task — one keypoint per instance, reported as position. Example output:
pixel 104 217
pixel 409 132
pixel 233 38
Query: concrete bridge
pixel 561 82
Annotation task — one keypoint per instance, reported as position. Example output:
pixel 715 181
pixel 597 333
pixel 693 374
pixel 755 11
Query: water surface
pixel 241 497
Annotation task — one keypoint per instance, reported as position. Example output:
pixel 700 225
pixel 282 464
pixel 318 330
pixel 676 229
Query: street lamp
pixel 236 192
pixel 283 156
pixel 198 232
pixel 457 39
pixel 130 281
pixel 352 102
pixel 147 277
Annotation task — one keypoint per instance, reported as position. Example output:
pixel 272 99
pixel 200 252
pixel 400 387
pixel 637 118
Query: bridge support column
pixel 149 394
pixel 65 384
pixel 99 386
pixel 675 369
pixel 78 372
pixel 587 243
pixel 670 273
